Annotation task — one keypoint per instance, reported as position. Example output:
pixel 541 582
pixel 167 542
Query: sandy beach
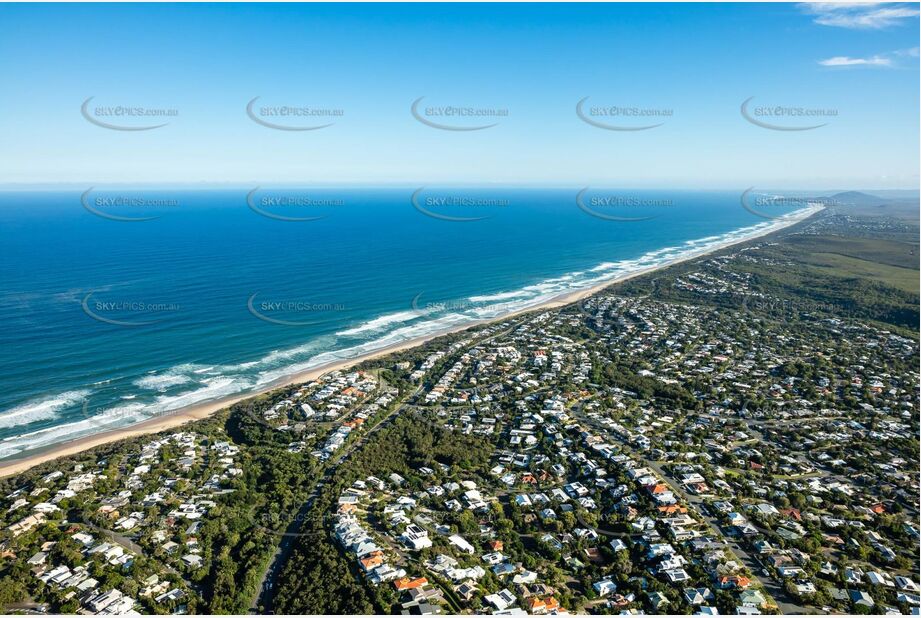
pixel 195 412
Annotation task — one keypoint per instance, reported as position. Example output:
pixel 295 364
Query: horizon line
pixel 75 185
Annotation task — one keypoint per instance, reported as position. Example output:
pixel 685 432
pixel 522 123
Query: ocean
pixel 119 304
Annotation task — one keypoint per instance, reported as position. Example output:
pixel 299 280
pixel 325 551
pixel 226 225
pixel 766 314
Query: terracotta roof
pixel 405 583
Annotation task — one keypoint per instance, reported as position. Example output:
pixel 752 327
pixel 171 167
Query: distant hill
pixel 857 198
pixel 865 204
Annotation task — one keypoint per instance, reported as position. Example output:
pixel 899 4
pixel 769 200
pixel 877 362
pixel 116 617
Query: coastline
pixel 181 416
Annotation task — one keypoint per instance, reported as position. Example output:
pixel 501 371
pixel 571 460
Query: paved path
pixel 265 590
pixel 128 544
pixel 785 602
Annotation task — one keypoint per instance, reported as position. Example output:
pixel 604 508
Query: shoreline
pixel 199 411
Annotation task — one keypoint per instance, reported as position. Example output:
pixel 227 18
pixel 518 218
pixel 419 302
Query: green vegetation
pixel 318 578
pixel 781 375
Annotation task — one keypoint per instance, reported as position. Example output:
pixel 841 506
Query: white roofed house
pixel 46 508
pixel 604 587
pixel 193 561
pixel 502 599
pixel 416 537
pixel 111 602
pixel 461 543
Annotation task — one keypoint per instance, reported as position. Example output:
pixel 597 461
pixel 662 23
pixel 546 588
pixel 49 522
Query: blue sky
pixel 700 61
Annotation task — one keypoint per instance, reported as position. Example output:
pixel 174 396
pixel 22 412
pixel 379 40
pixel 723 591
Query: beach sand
pixel 196 412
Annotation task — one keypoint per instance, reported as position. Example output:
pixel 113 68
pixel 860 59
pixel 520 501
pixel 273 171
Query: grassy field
pixel 899 253
pixel 845 266
pixel 853 267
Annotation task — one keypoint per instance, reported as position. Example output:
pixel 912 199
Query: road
pixel 26 607
pixel 785 602
pixel 126 543
pixel 265 590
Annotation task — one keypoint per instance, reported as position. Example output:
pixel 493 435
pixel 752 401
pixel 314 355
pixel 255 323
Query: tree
pixel 467 523
pixel 12 591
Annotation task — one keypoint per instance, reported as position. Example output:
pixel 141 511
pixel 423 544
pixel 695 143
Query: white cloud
pixel 911 52
pixel 847 61
pixel 860 15
pixel 888 59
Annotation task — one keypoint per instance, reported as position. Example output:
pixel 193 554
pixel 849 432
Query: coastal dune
pixel 181 416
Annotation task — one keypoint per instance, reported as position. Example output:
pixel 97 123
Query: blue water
pixel 374 269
